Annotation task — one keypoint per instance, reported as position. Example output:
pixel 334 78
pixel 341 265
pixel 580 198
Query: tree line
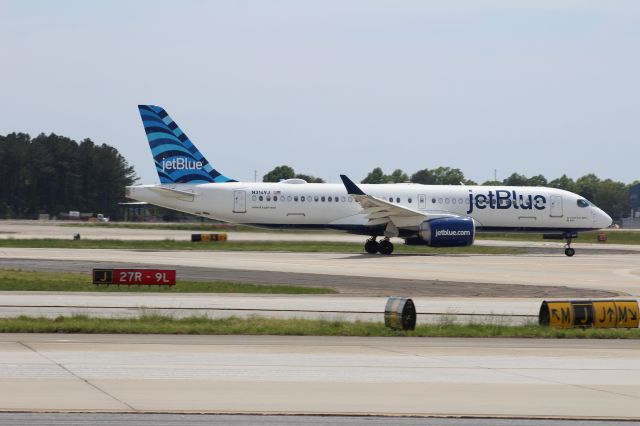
pixel 612 196
pixel 50 174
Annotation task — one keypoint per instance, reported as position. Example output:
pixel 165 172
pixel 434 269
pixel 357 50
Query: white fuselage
pixel 309 205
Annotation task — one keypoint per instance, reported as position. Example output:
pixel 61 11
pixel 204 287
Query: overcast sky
pixel 330 87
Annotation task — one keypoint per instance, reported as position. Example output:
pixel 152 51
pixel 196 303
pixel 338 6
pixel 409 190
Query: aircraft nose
pixel 603 220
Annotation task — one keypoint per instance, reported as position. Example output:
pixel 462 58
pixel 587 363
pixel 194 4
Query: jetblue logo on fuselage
pixel 503 199
pixel 181 163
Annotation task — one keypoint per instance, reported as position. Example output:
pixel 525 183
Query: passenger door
pixel 556 206
pixel 239 202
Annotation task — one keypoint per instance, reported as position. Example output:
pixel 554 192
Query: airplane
pixel 432 215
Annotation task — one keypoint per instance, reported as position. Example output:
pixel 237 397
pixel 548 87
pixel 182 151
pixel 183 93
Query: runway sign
pixel 208 237
pixel 134 276
pixel 590 313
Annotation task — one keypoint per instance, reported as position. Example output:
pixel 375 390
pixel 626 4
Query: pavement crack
pixel 513 373
pixel 94 386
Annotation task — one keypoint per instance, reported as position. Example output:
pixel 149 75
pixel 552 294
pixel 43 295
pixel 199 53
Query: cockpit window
pixel 583 203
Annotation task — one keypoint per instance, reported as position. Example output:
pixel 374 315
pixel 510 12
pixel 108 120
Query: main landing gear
pixel 383 247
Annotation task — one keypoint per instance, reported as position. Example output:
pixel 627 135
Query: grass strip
pixel 196 227
pixel 273 246
pixel 155 324
pixel 15 280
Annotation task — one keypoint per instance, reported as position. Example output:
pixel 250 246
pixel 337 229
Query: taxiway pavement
pixel 609 272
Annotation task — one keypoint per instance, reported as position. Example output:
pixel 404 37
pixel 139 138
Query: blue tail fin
pixel 177 159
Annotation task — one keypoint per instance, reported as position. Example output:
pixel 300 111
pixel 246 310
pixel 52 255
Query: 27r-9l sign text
pixel 134 276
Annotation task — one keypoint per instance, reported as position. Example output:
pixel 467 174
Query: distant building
pixel 634 200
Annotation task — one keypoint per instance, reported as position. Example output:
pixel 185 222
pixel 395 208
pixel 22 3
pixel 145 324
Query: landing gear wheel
pixel 371 246
pixel 386 247
pixel 567 249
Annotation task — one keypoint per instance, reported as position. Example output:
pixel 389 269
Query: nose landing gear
pixel 568 250
pixel 383 247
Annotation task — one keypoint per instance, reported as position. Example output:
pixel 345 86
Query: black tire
pixel 371 247
pixel 386 247
pixel 569 251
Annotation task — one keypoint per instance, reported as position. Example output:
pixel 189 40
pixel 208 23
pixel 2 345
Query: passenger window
pixel 260 198
pixel 446 201
pixel 453 201
pixel 254 198
pixel 336 199
pixel 459 200
pixel 397 199
pixel 302 198
pixel 288 197
pixel 439 200
pixel 342 199
pixel 466 201
pixel 316 198
pixel 329 199
pixel 268 197
pixel 350 199
pixel 295 198
pixel 433 200
pixel 322 198
pixel 275 198
pixel 410 200
pixel 583 203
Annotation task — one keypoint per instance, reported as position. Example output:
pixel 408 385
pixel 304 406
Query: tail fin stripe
pixel 152 129
pixel 169 138
pixel 169 144
pixel 163 152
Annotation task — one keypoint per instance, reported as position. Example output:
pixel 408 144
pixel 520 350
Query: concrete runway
pixel 309 375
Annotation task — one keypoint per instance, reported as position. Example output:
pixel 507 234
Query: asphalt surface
pixel 344 284
pixel 90 419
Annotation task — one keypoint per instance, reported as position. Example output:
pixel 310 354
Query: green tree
pixel 587 186
pixel 279 173
pixel 563 182
pixel 515 180
pixel 397 176
pixel 538 180
pixel 613 198
pixel 309 178
pixel 448 176
pixel 52 174
pixel 424 176
pixel 375 176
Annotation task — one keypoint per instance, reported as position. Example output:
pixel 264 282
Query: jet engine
pixel 448 232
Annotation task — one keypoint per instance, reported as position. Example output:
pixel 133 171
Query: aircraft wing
pixel 381 212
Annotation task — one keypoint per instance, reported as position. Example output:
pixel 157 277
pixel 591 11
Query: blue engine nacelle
pixel 448 232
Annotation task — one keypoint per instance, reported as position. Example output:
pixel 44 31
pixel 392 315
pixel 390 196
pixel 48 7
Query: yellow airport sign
pixel 590 313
